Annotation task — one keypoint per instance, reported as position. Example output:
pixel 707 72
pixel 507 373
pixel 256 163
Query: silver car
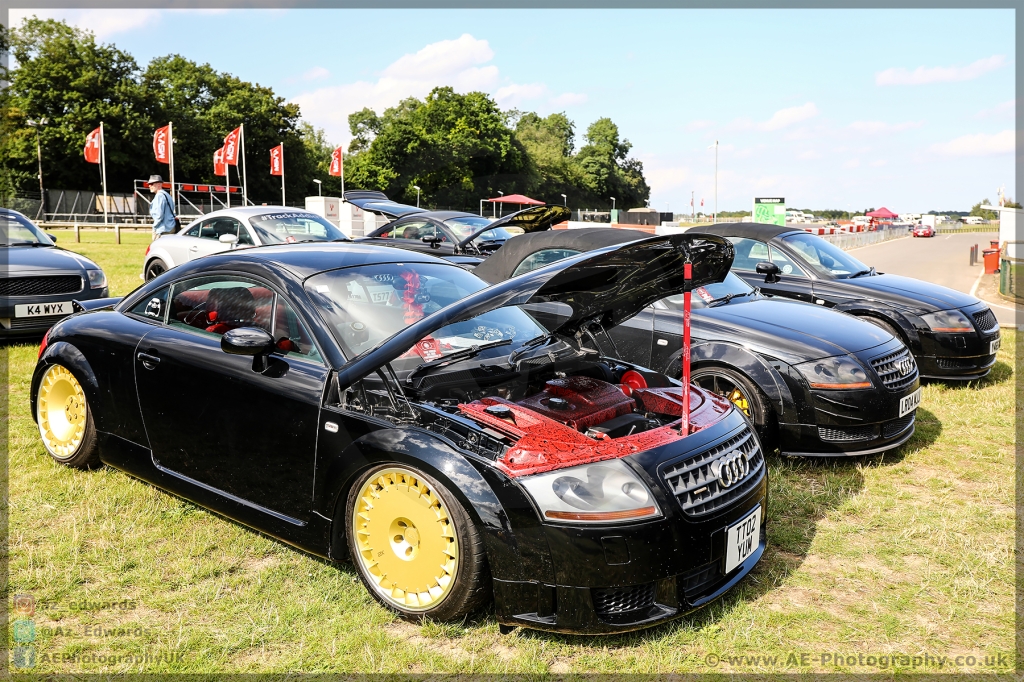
pixel 233 228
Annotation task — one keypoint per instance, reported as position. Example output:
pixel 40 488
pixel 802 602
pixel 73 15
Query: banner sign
pixel 92 147
pixel 770 211
pixel 231 147
pixel 337 163
pixel 276 161
pixel 219 166
pixel 160 149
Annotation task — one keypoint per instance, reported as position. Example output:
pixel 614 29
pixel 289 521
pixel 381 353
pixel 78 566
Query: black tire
pixel 155 268
pixel 470 587
pixel 751 401
pixel 65 420
pixel 882 324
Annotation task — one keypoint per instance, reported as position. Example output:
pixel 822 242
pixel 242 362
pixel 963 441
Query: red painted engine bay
pixel 578 420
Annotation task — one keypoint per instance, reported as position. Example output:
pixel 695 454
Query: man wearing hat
pixel 161 209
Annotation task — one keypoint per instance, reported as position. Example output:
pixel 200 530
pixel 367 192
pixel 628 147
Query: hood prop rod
pixel 684 427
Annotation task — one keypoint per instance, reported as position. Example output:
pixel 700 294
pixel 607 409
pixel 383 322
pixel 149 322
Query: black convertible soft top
pixel 760 231
pixel 503 262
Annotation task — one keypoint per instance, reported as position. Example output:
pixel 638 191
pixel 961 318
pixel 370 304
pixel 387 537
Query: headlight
pixel 948 321
pixel 842 372
pixel 603 492
pixel 97 280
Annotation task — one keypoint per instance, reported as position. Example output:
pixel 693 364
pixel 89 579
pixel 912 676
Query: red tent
pixel 882 213
pixel 516 199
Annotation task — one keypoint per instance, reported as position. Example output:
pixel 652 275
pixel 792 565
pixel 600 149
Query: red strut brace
pixel 684 428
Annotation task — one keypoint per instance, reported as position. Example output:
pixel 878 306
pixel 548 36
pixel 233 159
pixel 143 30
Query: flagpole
pixel 341 163
pixel 103 170
pixel 245 193
pixel 170 159
pixel 227 181
pixel 282 174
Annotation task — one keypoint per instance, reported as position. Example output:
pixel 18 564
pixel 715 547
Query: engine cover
pixel 579 402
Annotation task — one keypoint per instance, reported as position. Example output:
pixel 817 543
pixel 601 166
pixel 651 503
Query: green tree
pixel 457 148
pixel 605 170
pixel 984 213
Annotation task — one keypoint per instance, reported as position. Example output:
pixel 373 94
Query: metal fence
pixel 854 240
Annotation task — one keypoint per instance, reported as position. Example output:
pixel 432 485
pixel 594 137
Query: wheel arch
pixel 64 353
pixel 908 334
pixel 435 457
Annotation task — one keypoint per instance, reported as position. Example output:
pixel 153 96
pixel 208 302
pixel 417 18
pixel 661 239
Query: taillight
pixel 147 249
pixel 42 346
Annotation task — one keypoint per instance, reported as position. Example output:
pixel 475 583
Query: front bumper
pixel 609 579
pixel 960 357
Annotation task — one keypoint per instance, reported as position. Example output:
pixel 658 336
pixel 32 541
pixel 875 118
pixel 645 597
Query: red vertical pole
pixel 687 278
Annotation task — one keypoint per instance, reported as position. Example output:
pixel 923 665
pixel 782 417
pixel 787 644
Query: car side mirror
pixel 769 270
pixel 435 241
pixel 231 239
pixel 251 341
pixel 52 238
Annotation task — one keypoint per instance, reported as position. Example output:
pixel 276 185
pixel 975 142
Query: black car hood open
pixel 606 286
pixel 529 220
pixel 378 202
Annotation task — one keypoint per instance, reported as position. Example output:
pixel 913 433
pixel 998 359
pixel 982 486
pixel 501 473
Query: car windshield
pixel 464 226
pixel 16 230
pixel 288 227
pixel 720 291
pixel 366 305
pixel 823 257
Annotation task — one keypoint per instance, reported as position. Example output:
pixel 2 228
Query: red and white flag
pixel 161 141
pixel 337 163
pixel 231 147
pixel 92 146
pixel 219 167
pixel 277 160
pixel 702 201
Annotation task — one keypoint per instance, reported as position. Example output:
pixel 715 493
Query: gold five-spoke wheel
pixel 61 412
pixel 405 539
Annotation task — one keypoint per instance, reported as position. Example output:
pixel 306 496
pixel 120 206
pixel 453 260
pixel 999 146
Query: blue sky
pixel 911 109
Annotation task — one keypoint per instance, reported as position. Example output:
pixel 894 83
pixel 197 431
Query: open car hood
pixel 378 202
pixel 533 219
pixel 606 286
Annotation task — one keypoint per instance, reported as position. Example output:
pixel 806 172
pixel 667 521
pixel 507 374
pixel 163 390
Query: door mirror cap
pixel 228 239
pixel 769 270
pixel 435 241
pixel 52 238
pixel 251 341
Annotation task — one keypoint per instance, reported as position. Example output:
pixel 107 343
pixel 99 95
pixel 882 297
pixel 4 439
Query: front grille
pixel 897 426
pixel 896 370
pixel 40 286
pixel 697 582
pixel 42 322
pixel 698 491
pixel 612 601
pixel 847 435
pixel 985 321
pixel 955 363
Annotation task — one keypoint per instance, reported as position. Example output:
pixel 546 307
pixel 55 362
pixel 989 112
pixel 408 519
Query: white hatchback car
pixel 232 228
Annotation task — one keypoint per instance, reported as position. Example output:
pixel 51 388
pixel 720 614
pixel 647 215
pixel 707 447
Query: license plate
pixel 909 403
pixel 994 344
pixel 42 309
pixel 741 539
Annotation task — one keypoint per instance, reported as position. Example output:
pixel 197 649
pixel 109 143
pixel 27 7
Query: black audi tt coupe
pixel 813 381
pixel 952 335
pixel 384 405
pixel 40 280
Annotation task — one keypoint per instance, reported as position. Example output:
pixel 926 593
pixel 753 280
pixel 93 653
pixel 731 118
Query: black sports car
pixel 370 402
pixel 952 335
pixel 454 233
pixel 813 381
pixel 41 280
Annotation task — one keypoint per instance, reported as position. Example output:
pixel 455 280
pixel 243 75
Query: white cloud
pixel 1005 110
pixel 852 163
pixel 978 145
pixel 786 117
pixel 879 127
pixel 809 155
pixel 316 73
pixel 699 125
pixel 939 74
pixel 515 94
pixel 104 23
pixel 568 99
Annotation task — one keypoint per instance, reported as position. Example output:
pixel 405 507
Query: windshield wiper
pixel 869 271
pixel 455 357
pixel 24 244
pixel 728 297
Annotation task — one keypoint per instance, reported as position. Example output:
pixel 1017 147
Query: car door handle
pixel 193 248
pixel 149 361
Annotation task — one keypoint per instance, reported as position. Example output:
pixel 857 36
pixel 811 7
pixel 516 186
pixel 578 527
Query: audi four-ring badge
pixel 424 426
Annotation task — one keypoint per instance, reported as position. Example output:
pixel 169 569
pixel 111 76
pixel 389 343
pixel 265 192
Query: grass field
pixel 897 563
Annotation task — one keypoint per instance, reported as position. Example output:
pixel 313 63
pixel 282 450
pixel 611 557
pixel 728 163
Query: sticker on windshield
pixel 282 216
pixel 787 269
pixel 703 293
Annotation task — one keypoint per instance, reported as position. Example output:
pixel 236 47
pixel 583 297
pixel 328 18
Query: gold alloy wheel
pixel 61 412
pixel 405 540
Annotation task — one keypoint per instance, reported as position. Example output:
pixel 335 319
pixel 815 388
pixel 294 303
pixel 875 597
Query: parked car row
pixel 476 416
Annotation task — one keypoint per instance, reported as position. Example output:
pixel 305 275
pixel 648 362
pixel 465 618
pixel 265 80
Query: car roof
pixel 306 260
pixel 502 263
pixel 761 231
